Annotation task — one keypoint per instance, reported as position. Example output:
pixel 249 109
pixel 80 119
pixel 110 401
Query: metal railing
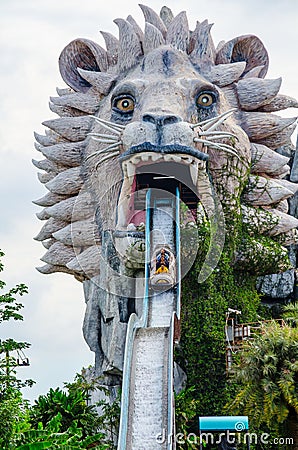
pixel 133 324
pixel 136 323
pixel 128 353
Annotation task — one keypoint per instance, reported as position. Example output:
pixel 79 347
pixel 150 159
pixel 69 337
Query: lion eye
pixel 205 99
pixel 124 104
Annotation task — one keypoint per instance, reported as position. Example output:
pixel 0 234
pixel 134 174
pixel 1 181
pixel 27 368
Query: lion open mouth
pixel 162 168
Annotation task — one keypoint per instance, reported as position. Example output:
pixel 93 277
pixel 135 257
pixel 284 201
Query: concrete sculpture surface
pixel 158 104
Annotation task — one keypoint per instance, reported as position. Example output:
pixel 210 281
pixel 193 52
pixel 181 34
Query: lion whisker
pixel 225 150
pixel 213 120
pixel 112 124
pixel 115 127
pixel 228 147
pixel 105 136
pixel 104 150
pixel 107 127
pixel 217 136
pixel 205 141
pixel 105 141
pixel 117 132
pixel 214 145
pixel 211 127
pixel 218 133
pixel 112 155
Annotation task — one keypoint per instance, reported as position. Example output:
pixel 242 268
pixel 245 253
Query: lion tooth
pixel 144 157
pixel 130 172
pixel 177 159
pixel 187 159
pixel 124 168
pixel 194 172
pixel 155 156
pixel 131 227
pixel 136 159
pixel 167 157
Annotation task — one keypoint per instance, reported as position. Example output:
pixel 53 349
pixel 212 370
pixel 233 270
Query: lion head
pixel 159 105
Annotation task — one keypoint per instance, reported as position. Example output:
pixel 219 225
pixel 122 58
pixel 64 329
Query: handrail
pixel 145 311
pixel 130 335
pixel 177 249
pixel 171 410
pixel 171 404
pixel 133 324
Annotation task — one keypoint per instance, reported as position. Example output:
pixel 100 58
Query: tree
pixel 57 420
pixel 71 409
pixel 70 405
pixel 12 406
pixel 53 437
pixel 268 374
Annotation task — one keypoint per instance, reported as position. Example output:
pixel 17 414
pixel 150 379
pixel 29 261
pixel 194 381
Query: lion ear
pixel 82 54
pixel 248 48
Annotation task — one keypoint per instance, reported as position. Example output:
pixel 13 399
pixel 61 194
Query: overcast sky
pixel 33 33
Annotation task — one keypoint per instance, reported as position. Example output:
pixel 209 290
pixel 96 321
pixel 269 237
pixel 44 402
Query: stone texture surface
pixel 282 286
pixel 277 285
pixel 108 306
pixel 294 169
pixel 179 378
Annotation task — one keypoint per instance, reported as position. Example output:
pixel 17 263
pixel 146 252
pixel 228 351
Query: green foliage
pixel 185 411
pixel 61 419
pixel 202 352
pixel 10 412
pixel 52 437
pixel 71 406
pixel 267 377
pixel 263 255
pixel 13 409
pixel 8 364
pixel 110 418
pixel 76 417
pixel 202 349
pixel 290 314
pixel 10 310
pixel 9 306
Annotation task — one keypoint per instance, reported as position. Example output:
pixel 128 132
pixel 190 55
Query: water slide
pixel 147 404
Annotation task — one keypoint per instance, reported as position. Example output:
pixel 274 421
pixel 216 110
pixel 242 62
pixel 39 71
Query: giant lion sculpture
pixel 163 100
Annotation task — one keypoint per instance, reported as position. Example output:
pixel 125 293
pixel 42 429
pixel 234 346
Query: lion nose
pixel 161 120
